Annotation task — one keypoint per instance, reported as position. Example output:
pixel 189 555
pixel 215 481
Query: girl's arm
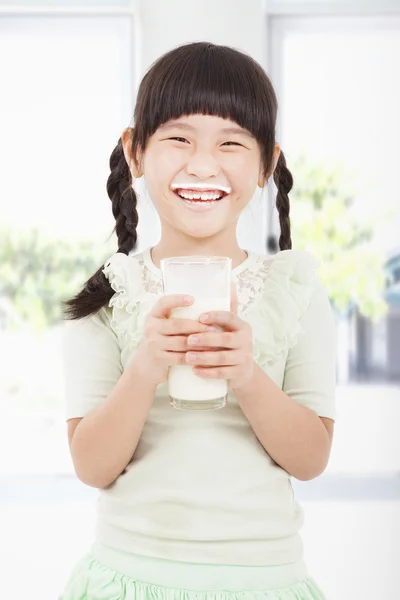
pixel 105 439
pixel 293 435
pixel 295 423
pixel 106 406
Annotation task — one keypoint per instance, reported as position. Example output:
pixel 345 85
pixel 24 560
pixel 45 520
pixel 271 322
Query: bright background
pixel 69 73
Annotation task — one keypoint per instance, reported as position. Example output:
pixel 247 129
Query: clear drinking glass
pixel 208 280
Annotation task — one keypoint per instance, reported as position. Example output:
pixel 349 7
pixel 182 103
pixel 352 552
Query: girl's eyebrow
pixel 187 127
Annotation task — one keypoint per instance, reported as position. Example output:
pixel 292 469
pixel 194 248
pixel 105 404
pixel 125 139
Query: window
pixel 66 96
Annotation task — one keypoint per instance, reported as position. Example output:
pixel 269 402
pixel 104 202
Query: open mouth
pixel 203 197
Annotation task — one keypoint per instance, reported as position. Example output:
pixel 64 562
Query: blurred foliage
pixel 326 223
pixel 37 273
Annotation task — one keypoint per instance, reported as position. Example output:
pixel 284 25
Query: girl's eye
pixel 181 138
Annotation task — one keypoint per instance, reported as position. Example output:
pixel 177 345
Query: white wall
pixel 237 23
pixel 165 25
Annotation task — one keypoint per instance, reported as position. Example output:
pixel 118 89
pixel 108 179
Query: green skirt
pixel 108 574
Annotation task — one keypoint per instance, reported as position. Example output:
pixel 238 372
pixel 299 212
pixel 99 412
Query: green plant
pixel 327 223
pixel 38 272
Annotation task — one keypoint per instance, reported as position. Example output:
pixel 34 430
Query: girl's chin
pixel 201 232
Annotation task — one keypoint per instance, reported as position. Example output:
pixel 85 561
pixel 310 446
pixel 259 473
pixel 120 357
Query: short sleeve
pixel 310 370
pixel 91 360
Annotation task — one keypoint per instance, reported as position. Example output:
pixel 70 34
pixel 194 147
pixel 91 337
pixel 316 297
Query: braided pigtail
pixel 123 199
pixel 97 290
pixel 284 183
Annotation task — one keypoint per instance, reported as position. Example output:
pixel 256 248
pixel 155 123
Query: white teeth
pixel 200 195
pixel 200 188
pixel 199 201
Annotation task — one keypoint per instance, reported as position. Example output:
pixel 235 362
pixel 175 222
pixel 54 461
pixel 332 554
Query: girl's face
pixel 200 149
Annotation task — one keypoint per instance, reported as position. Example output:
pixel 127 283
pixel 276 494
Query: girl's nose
pixel 202 164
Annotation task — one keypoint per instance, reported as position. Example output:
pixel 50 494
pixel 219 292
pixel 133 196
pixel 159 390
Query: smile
pixel 203 200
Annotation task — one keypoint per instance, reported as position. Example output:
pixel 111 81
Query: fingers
pixel 173 343
pixel 220 339
pixel 180 326
pixel 176 343
pixel 176 358
pixel 228 373
pixel 165 304
pixel 215 359
pixel 226 319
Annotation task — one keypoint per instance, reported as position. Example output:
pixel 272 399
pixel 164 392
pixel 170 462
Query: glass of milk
pixel 208 280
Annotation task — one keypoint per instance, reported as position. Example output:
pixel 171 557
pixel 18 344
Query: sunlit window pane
pixel 66 96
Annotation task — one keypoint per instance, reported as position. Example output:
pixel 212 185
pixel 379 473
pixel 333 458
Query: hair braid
pixel 284 183
pixel 123 199
pixel 97 290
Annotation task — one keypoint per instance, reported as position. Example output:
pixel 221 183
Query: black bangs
pixel 203 78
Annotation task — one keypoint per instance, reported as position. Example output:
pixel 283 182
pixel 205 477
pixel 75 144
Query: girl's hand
pixel 164 341
pixel 232 354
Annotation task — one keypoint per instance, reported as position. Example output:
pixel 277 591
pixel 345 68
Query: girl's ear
pixel 134 165
pixel 275 158
pixel 277 152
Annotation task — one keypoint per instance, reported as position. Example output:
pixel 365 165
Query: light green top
pixel 200 487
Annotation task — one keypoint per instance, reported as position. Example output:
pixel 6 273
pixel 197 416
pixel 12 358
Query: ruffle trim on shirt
pixel 276 313
pixel 91 580
pixel 130 303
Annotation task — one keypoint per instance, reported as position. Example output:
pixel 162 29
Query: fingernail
pixel 191 357
pixel 204 318
pixel 193 339
pixel 211 328
pixel 188 299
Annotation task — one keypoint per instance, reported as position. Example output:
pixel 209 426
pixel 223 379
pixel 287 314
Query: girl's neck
pixel 164 250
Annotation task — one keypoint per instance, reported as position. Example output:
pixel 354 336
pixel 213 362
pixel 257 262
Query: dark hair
pixel 196 78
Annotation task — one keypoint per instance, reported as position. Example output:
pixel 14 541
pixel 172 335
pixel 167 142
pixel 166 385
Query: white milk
pixel 183 384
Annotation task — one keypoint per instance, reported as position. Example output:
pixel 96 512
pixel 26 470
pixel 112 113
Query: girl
pixel 199 505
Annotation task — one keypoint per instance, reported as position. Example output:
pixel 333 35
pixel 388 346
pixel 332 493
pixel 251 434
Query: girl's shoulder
pixel 276 293
pixel 299 263
pixel 137 284
pixel 133 274
pixel 292 273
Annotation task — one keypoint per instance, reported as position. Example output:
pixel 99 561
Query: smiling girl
pixel 199 505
